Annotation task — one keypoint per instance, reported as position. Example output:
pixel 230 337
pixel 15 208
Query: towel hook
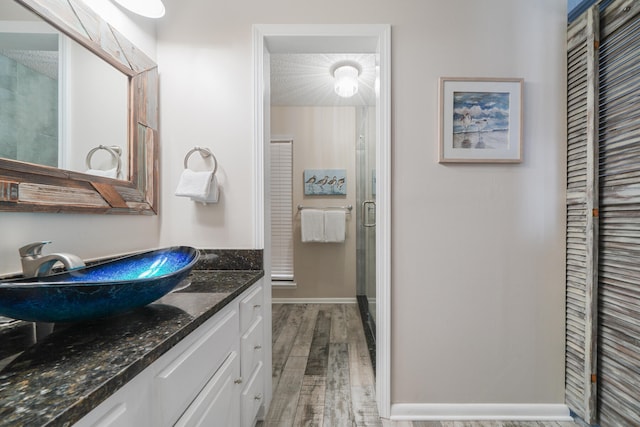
pixel 204 152
pixel 115 152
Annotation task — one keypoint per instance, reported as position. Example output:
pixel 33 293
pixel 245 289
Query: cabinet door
pixel 253 397
pixel 252 348
pixel 128 407
pixel 190 368
pixel 219 402
pixel 251 308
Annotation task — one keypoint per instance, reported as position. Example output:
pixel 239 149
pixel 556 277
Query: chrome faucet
pixel 34 264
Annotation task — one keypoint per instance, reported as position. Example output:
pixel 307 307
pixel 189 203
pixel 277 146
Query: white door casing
pixel 363 38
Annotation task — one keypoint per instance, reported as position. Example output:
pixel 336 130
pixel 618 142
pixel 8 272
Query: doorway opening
pixel 338 39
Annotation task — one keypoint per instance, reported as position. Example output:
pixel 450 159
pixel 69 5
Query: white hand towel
pixel 212 197
pixel 109 173
pixel 194 184
pixel 312 225
pixel 334 226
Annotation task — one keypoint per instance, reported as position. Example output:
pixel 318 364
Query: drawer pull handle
pixel 257 306
pixel 258 347
pixel 258 396
pixel 238 381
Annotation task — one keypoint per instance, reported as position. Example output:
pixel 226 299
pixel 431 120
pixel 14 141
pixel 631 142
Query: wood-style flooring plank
pixel 362 380
pixel 359 361
pixel 319 349
pixel 310 412
pixel 355 333
pixel 338 324
pixel 283 344
pixel 284 402
pixel 387 423
pixel 304 338
pixel 364 406
pixel 337 409
pixel 279 315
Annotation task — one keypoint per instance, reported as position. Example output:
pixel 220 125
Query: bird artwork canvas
pixel 325 182
pixel 480 120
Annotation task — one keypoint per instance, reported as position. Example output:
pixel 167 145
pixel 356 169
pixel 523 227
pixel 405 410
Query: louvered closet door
pixel 581 268
pixel 619 272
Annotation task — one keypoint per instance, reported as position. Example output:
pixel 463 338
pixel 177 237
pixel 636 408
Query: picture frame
pixel 480 120
pixel 325 182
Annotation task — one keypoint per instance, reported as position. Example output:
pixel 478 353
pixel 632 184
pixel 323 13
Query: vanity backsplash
pixel 230 259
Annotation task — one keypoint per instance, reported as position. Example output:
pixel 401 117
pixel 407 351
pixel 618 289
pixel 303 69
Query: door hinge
pixel 594 378
pixel 596 212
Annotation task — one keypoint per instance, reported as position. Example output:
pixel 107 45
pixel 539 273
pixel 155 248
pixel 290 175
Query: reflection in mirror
pixel 29 74
pixel 53 112
pixel 96 112
pixel 85 143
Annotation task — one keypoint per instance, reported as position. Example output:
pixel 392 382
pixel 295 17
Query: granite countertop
pixel 54 374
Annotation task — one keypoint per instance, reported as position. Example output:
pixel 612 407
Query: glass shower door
pixel 366 222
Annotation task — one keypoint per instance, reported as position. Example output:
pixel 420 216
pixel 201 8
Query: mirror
pixel 29 187
pixel 53 113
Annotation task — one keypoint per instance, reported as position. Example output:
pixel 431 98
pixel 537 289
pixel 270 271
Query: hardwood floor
pixel 322 373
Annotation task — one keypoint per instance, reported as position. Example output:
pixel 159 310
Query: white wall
pixel 89 236
pixel 477 252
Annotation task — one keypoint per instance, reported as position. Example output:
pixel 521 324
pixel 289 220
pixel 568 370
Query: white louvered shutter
pixel 582 227
pixel 281 210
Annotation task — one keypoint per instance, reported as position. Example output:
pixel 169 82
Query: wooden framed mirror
pixel 28 187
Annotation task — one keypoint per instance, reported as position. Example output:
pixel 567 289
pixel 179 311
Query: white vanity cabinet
pixel 252 348
pixel 213 377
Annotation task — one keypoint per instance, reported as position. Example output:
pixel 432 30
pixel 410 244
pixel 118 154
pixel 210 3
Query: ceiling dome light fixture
pixel 346 78
pixel 147 8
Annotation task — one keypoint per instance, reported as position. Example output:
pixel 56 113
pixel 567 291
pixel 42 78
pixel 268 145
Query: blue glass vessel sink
pixel 98 290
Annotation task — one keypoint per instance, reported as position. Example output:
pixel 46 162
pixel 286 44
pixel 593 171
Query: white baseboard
pixel 314 300
pixel 460 412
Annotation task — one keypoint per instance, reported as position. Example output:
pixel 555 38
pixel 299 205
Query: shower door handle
pixel 365 205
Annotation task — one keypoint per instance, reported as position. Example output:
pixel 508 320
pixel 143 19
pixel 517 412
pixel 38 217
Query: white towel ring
pixel 115 152
pixel 204 152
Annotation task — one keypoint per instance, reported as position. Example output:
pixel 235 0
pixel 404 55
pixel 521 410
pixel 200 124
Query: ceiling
pixel 304 79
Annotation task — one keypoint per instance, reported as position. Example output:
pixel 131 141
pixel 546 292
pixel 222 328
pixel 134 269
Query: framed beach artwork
pixel 480 120
pixel 325 182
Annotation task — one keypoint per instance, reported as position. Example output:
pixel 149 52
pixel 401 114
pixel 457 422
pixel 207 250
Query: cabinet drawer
pixel 252 347
pixel 129 406
pixel 250 308
pixel 218 403
pixel 252 397
pixel 182 378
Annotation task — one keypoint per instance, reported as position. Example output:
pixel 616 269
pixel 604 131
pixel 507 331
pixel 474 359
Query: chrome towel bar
pixel 348 208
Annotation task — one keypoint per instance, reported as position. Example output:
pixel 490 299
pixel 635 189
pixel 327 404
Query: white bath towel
pixel 214 193
pixel 334 226
pixel 312 225
pixel 194 184
pixel 109 173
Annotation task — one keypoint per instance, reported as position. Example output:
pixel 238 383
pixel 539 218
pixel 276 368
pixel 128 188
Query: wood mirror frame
pixel 27 187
